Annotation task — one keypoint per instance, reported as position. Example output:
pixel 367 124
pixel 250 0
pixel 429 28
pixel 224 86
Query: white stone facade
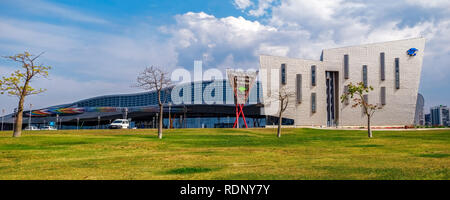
pixel 400 104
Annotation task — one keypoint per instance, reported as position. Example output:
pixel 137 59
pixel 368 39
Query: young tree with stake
pixel 19 83
pixel 155 79
pixel 360 90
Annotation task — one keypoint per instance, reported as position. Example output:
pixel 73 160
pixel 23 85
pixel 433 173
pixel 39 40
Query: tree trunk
pixel 369 131
pixel 18 127
pixel 160 124
pixel 280 120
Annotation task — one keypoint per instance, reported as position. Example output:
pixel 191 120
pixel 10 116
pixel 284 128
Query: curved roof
pixel 150 98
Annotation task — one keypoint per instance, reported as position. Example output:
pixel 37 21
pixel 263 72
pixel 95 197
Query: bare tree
pixel 19 83
pixel 282 97
pixel 155 79
pixel 360 90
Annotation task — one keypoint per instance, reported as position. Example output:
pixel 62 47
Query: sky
pixel 98 47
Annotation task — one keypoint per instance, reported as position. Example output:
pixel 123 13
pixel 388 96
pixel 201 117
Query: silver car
pixel 50 128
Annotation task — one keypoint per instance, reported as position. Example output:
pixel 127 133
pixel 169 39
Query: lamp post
pixel 29 117
pixel 126 113
pixel 170 117
pixel 14 118
pixel 78 122
pixel 57 117
pixel 98 119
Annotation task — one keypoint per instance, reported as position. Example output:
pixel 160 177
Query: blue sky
pixel 98 47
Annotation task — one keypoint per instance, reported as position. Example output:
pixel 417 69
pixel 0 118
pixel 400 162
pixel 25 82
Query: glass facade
pixel 151 98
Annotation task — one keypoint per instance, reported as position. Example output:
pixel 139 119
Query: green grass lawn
pixel 225 154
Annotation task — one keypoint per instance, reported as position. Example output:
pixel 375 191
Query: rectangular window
pixel 346 63
pixel 364 72
pixel 383 95
pixel 346 101
pixel 313 75
pixel 313 102
pixel 299 88
pixel 397 73
pixel 283 74
pixel 382 66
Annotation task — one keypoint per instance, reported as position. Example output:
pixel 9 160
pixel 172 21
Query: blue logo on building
pixel 412 52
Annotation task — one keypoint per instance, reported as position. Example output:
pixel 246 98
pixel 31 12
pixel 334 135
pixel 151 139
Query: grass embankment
pixel 225 154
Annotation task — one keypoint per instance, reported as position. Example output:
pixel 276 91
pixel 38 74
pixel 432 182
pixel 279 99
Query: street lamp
pixel 126 113
pixel 170 117
pixel 14 118
pixel 57 117
pixel 98 119
pixel 29 117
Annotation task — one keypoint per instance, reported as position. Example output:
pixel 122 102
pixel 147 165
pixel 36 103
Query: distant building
pixel 446 117
pixel 427 119
pixel 419 117
pixel 440 116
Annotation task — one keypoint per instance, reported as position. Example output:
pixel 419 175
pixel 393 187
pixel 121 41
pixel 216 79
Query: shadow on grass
pixel 28 147
pixel 190 170
pixel 368 145
pixel 435 155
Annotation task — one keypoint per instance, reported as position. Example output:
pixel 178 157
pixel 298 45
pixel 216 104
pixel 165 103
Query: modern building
pixel 143 110
pixel 440 116
pixel 419 119
pixel 392 68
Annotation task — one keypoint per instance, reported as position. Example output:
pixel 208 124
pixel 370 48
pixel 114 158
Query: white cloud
pixel 272 50
pixel 430 3
pixel 263 5
pixel 242 4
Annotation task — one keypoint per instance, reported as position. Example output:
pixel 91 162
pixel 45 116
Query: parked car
pixel 31 128
pixel 50 128
pixel 120 124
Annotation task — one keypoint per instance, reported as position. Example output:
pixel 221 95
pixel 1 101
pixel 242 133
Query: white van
pixel 120 124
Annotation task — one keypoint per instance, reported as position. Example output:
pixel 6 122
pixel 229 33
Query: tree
pixel 155 79
pixel 18 84
pixel 361 90
pixel 282 96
